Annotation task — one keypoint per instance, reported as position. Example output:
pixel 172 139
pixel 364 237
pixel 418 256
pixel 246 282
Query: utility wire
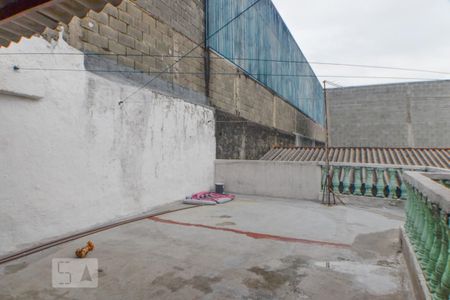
pixel 237 59
pixel 223 74
pixel 190 51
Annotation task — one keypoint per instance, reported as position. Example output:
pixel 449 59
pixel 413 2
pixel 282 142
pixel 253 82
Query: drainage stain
pixel 226 224
pixel 271 280
pixel 175 283
pixel 11 269
pixel 223 217
pixel 376 279
pixel 378 244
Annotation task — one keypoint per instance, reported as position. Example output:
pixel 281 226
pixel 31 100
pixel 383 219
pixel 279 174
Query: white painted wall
pixel 296 180
pixel 74 158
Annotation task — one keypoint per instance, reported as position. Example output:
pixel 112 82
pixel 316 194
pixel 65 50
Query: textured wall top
pixel 260 43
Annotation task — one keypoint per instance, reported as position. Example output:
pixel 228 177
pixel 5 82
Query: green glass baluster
pixel 420 224
pixel 429 238
pixel 409 209
pixel 369 182
pixel 357 181
pixel 443 291
pixel 346 180
pixel 380 183
pixel 424 234
pixel 416 219
pixel 351 176
pixel 435 249
pixel 403 186
pixel 414 214
pixel 335 179
pixel 393 183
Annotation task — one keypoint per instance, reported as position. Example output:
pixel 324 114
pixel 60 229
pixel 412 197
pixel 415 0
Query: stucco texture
pixel 72 157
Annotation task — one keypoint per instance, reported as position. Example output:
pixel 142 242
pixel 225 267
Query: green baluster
pixel 369 182
pixel 422 255
pixel 346 180
pixel 409 209
pixel 414 213
pixel 380 182
pixel 416 218
pixel 429 238
pixel 420 224
pixel 435 249
pixel 336 174
pixel 403 186
pixel 393 183
pixel 443 291
pixel 357 181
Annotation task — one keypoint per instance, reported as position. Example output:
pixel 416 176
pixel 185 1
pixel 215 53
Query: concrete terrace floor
pixel 251 248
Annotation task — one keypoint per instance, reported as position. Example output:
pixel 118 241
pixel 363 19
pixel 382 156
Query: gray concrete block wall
pixel 391 115
pixel 146 35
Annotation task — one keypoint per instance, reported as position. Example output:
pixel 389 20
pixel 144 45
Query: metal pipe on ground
pixel 73 237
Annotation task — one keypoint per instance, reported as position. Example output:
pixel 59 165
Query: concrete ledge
pixel 435 192
pixel 418 280
pixel 270 178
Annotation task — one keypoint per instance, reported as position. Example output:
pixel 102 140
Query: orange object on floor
pixel 82 252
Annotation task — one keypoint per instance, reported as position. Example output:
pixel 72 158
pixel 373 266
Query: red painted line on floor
pixel 255 235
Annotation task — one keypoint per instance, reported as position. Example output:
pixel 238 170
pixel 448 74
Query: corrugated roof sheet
pixel 24 18
pixel 431 157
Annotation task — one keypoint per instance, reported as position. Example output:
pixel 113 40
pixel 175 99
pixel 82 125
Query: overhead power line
pixel 366 66
pixel 224 73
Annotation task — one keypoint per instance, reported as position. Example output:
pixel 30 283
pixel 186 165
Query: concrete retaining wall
pixel 391 115
pixel 273 179
pixel 240 98
pixel 71 158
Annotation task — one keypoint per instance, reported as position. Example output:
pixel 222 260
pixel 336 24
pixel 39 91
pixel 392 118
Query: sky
pixel 394 33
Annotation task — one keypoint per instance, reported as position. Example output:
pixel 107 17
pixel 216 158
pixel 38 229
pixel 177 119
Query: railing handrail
pixel 435 192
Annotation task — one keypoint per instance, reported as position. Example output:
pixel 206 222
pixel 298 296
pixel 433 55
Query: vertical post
pixel 206 55
pixel 327 150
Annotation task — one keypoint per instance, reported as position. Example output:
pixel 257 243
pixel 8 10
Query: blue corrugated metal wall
pixel 261 36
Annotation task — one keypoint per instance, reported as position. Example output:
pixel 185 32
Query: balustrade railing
pixel 428 229
pixel 367 180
